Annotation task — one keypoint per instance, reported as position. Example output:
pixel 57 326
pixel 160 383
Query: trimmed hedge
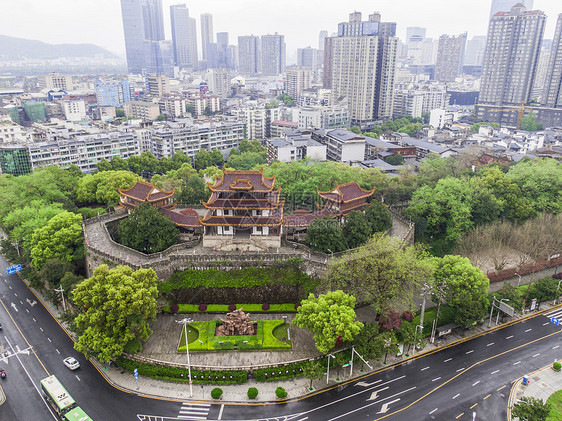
pixel 181 375
pixel 252 393
pixel 286 273
pixel 281 393
pixel 207 341
pixel 288 371
pixel 216 393
pixel 223 308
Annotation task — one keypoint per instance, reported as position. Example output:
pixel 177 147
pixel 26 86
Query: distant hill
pixel 17 48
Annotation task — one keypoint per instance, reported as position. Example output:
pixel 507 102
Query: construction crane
pixel 521 111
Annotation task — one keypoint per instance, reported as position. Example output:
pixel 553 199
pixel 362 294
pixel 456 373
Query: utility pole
pixel 61 290
pixel 439 298
pixel 426 290
pixel 185 322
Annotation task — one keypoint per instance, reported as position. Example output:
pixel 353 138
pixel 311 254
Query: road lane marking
pixel 536 355
pixel 10 286
pixel 447 360
pixel 474 384
pixel 460 415
pixel 544 324
pixel 41 329
pixel 490 344
pixel 34 320
pixel 433 411
pixel 21 302
pixel 425 368
pixel 528 330
pixel 518 362
pixel 468 352
pixel 509 337
pixel 494 372
pixel 15 294
pixel 557 346
pixel 456 396
pixel 473 405
pixel 27 310
pixel 58 352
pixel 220 412
pixel 434 380
pixel 487 396
pixel 503 387
pixel 460 369
pixel 77 377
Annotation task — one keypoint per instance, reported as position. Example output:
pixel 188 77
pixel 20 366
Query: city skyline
pixel 24 19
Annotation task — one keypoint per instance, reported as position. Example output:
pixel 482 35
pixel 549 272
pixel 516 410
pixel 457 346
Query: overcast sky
pixel 99 21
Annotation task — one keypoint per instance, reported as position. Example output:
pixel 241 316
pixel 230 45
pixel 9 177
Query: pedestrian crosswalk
pixel 194 411
pixel 555 314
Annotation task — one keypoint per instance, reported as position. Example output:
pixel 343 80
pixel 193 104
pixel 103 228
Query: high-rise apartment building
pixel 506 5
pixel 510 61
pixel 360 64
pixel 206 33
pixel 184 37
pixel 113 93
pixel 553 85
pixel 475 49
pixel 297 79
pixel 272 54
pixel 249 55
pixel 223 52
pixel 450 55
pixel 157 84
pixel 56 81
pixel 307 57
pixel 219 82
pixel 143 26
pixel 321 37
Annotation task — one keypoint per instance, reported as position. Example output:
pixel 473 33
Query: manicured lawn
pixel 556 411
pixel 270 335
pixel 223 308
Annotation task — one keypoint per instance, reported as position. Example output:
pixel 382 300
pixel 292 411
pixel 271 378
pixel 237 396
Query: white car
pixel 71 363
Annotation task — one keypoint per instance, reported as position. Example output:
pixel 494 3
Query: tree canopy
pixel 329 317
pixel 102 187
pixel 356 229
pixel 147 230
pixel 60 238
pixel 117 304
pixel 325 235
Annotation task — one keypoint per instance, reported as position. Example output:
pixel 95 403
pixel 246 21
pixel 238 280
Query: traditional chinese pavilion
pixel 244 212
pixel 143 192
pixel 346 198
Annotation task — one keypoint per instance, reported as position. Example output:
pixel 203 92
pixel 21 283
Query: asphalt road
pixel 468 381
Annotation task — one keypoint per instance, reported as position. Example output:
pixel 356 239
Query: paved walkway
pixel 543 383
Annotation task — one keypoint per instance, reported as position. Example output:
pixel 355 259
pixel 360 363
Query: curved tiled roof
pixel 346 193
pixel 303 220
pixel 182 220
pixel 146 192
pixel 242 180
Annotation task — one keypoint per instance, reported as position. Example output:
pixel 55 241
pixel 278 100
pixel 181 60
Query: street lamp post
pixel 61 290
pixel 328 370
pixel 519 281
pixel 185 322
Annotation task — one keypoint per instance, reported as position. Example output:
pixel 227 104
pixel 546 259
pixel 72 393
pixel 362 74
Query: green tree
pixel 529 123
pixel 390 343
pixel 383 272
pixel 356 229
pixel 313 370
pixel 218 159
pixel 287 100
pixel 530 409
pixel 474 128
pixel 246 160
pixel 119 112
pixel 251 146
pixel 329 317
pixel 355 129
pixel 60 238
pixel 104 165
pixel 118 305
pixel 161 117
pixel 425 117
pixel 378 216
pixel 193 191
pixel 203 159
pixel 543 289
pixel 325 235
pixel 147 230
pixel 396 159
pixel 103 187
pixel 463 287
pixel 149 162
pixel 190 108
pixel 53 270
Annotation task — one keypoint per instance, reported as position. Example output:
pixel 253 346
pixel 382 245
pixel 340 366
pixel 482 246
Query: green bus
pixel 61 401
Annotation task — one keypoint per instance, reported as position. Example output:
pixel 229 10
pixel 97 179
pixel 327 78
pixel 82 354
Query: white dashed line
pixel 77 377
pixel 474 384
pixel 41 329
pixel 434 380
pixel 15 294
pixel 34 320
pixel 58 352
pixel 27 310
pixel 49 339
pixel 447 360
pixel 433 411
pixel 557 346
pixel 490 344
pixel 528 330
pixel 518 362
pixel 494 372
pixel 425 368
pixel 544 324
pixel 536 355
pixel 456 396
pixel 468 352
pixel 460 369
pixel 21 302
pixel 509 337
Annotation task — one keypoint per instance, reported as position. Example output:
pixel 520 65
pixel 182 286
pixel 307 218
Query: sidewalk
pixel 543 383
pixel 295 388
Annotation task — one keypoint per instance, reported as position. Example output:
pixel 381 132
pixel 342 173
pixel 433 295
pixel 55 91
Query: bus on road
pixel 61 401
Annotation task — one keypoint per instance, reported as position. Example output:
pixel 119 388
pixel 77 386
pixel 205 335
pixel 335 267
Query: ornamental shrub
pixel 280 393
pixel 202 307
pixel 232 307
pixel 265 307
pixel 408 316
pixel 297 306
pixel 174 308
pixel 252 393
pixel 216 393
pixel 557 366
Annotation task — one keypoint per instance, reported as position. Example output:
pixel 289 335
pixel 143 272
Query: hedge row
pixel 181 374
pixel 288 371
pixel 223 308
pixel 240 278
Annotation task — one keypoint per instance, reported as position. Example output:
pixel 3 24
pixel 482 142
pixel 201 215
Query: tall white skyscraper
pixel 553 85
pixel 360 64
pixel 185 47
pixel 249 55
pixel 506 5
pixel 321 37
pixel 273 54
pixel 206 33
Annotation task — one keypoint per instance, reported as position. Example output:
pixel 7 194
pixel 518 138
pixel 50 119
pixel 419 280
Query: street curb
pixel 2 396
